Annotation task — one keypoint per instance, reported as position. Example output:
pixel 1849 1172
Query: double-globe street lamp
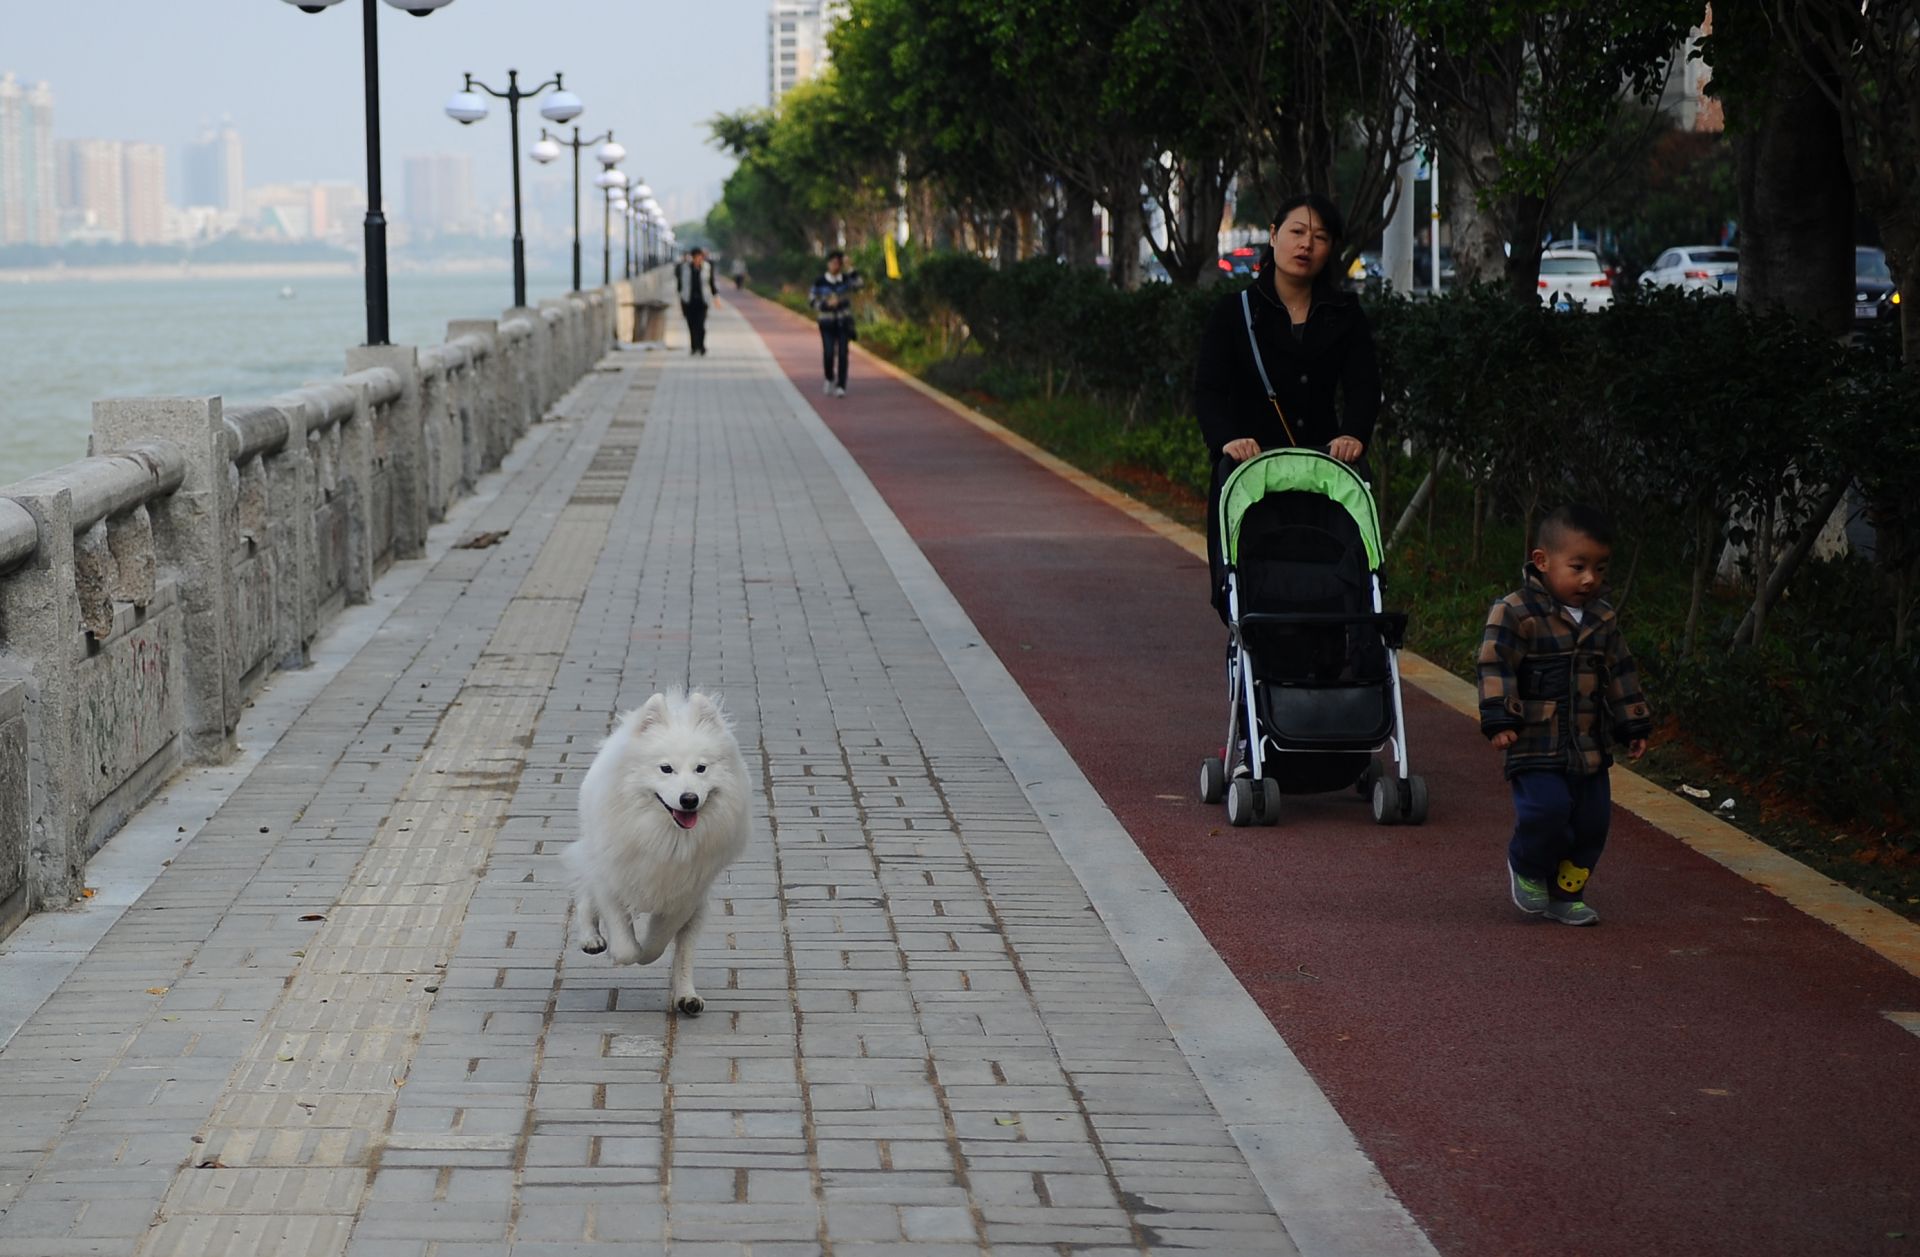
pixel 609 155
pixel 374 229
pixel 468 106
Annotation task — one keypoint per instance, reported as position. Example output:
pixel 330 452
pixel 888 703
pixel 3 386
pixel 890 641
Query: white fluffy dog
pixel 664 808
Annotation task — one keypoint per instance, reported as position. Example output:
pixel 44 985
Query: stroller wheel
pixel 1213 779
pixel 1416 800
pixel 1240 802
pixel 1266 802
pixel 1386 801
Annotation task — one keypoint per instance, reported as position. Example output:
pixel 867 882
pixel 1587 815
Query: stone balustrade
pixel 149 590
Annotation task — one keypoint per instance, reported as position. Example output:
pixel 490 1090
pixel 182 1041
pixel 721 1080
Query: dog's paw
pixel 593 947
pixel 691 1005
pixel 625 955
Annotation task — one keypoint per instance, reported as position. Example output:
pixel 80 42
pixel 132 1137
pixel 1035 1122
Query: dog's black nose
pixel 689 801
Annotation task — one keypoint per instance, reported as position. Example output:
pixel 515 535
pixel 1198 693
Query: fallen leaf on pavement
pixel 156 990
pixel 480 541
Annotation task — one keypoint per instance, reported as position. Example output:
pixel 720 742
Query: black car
pixel 1874 296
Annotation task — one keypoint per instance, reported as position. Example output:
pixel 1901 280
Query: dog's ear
pixel 705 711
pixel 651 713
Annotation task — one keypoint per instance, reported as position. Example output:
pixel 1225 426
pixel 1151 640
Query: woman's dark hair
pixel 1329 215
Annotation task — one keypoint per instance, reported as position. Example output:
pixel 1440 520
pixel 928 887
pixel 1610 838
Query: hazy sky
pixel 158 70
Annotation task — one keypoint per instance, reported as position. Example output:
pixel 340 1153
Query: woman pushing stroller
pixel 1288 390
pixel 1316 382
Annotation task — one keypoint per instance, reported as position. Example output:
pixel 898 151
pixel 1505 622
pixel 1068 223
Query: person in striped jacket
pixel 1559 690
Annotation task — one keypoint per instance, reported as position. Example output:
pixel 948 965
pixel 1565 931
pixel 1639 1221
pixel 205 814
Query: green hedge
pixel 1677 413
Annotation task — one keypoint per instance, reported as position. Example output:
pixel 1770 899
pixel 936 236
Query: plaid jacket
pixel 1570 691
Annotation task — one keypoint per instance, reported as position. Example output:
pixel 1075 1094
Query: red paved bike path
pixel 1707 1072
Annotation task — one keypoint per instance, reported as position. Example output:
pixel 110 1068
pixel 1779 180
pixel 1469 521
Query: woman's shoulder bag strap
pixel 1260 365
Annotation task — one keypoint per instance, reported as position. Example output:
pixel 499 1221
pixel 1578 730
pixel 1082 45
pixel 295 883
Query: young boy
pixel 1558 688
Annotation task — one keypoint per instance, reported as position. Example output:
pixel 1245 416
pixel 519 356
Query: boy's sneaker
pixel 1572 912
pixel 828 390
pixel 1529 895
pixel 839 390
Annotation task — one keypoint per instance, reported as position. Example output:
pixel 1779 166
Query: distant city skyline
pixel 290 84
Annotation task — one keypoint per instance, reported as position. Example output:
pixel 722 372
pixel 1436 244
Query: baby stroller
pixel 1313 672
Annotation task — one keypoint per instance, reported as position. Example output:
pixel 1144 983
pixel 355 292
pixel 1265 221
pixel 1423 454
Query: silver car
pixel 1696 268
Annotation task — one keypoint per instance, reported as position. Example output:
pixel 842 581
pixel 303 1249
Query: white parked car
pixel 1574 277
pixel 1697 268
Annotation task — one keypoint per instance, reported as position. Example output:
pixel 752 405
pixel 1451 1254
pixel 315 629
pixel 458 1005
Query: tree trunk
pixel 1009 244
pixel 1079 243
pixel 1477 237
pixel 1770 579
pixel 1129 229
pixel 1704 538
pixel 1526 217
pixel 1796 201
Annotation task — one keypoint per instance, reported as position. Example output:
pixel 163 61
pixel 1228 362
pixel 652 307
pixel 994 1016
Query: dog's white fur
pixel 637 854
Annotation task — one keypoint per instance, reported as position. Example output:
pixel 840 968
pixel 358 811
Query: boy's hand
pixel 1636 748
pixel 1507 737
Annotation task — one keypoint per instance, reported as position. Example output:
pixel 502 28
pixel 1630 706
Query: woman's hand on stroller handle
pixel 1345 448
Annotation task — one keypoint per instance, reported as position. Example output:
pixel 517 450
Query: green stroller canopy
pixel 1296 471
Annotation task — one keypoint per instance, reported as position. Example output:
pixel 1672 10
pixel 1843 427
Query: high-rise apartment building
pixel 145 179
pixel 93 196
pixel 797 42
pixel 438 191
pixel 29 167
pixel 214 170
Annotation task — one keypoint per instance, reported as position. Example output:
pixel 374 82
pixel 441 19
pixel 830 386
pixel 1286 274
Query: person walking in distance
pixel 832 296
pixel 696 279
pixel 1558 691
pixel 739 272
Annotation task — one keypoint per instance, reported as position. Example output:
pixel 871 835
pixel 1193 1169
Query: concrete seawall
pixel 149 590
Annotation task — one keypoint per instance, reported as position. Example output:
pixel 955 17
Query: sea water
pixel 66 343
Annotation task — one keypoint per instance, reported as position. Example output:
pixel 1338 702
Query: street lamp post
pixel 614 184
pixel 467 107
pixel 374 228
pixel 610 154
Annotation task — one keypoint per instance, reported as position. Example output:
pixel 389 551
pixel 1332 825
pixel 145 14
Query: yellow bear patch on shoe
pixel 1572 877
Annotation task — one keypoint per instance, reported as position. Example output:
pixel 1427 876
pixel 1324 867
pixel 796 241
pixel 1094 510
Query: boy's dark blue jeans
pixel 1559 828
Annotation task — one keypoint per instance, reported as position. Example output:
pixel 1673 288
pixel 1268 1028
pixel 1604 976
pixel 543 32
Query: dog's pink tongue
pixel 684 820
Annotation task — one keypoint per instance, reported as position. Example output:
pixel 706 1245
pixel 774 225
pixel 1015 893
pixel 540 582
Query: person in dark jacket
pixel 1317 349
pixel 696 279
pixel 832 295
pixel 1558 691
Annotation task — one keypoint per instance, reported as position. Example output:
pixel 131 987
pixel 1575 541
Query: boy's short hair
pixel 837 253
pixel 1571 519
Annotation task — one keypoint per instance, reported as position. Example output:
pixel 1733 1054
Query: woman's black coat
pixel 1327 382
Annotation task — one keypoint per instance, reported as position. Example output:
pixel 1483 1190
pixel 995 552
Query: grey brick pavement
pixel 344 1020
